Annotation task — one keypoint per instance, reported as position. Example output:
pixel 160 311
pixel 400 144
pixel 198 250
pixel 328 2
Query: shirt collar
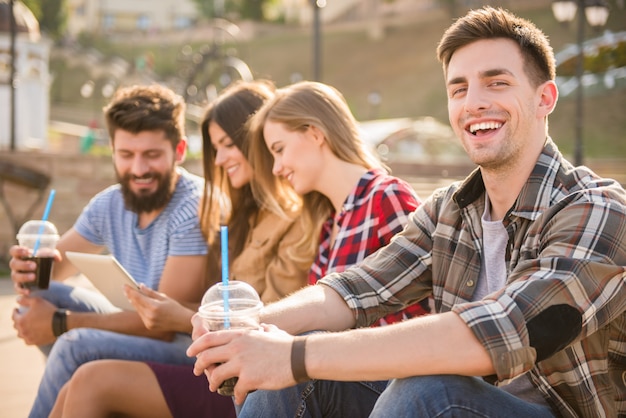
pixel 361 190
pixel 536 195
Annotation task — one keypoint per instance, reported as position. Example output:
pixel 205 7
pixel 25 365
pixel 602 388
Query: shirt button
pixel 470 283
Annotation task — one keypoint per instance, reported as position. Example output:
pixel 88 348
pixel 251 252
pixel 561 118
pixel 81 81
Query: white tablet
pixel 106 274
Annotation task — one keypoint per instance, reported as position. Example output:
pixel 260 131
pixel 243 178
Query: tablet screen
pixel 106 274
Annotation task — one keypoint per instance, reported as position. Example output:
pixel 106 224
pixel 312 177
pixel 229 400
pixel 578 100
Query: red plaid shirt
pixel 375 211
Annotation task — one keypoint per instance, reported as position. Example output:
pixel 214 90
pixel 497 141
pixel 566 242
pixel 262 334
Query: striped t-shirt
pixel 143 252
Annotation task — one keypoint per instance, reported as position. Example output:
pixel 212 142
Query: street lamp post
pixel 317 42
pixel 597 13
pixel 12 72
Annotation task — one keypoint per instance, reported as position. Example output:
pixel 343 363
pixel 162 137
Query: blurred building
pixel 119 16
pixel 301 11
pixel 102 17
pixel 31 80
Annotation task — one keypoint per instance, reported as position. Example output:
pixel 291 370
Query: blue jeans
pixel 453 396
pixel 317 398
pixel 82 345
pixel 423 397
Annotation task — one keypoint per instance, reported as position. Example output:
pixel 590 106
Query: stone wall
pixel 76 179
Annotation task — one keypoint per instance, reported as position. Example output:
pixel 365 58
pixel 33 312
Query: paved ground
pixel 21 365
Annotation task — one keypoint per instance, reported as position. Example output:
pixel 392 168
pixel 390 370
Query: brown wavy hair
pixel 147 108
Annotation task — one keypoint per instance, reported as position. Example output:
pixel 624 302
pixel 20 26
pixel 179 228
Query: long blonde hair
pixel 298 107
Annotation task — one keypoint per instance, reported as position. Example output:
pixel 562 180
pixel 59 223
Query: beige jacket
pixel 265 263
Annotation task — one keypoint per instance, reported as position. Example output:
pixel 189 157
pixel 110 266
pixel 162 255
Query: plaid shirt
pixel 561 316
pixel 376 210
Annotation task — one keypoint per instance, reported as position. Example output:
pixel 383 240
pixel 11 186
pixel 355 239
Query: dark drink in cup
pixel 41 238
pixel 42 272
pixel 227 388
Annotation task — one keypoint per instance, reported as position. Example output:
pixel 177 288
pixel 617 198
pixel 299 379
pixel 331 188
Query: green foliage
pixel 608 56
pixel 54 17
pixel 51 14
pixel 251 9
pixel 205 8
pixel 88 40
pixel 245 9
pixel 34 6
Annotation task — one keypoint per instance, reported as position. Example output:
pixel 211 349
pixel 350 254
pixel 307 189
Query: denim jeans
pixel 82 345
pixel 314 399
pixel 452 396
pixel 423 397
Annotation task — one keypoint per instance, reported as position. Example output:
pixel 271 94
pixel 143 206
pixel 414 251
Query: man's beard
pixel 146 201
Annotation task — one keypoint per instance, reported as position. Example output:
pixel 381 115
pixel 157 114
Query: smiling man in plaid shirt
pixel 524 260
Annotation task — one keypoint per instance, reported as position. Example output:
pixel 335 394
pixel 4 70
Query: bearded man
pixel 148 221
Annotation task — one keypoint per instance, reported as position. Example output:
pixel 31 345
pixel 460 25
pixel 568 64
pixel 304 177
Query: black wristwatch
pixel 59 322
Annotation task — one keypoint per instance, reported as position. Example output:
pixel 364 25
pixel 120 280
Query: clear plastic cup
pixel 244 308
pixel 44 236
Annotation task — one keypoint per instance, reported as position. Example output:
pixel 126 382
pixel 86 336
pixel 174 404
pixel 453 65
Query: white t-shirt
pixel 493 274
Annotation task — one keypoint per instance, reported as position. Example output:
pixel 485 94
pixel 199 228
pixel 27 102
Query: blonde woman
pixel 307 136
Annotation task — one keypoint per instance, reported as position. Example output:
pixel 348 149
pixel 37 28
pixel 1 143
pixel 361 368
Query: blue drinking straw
pixel 224 236
pixel 46 213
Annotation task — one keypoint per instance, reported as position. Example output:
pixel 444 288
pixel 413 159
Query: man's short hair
pixel 492 23
pixel 147 108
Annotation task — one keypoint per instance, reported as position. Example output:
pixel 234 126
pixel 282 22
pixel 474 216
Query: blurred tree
pixel 205 8
pixel 54 17
pixel 51 14
pixel 34 6
pixel 246 9
pixel 252 9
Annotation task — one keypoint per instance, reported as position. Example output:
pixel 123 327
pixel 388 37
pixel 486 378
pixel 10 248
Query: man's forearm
pixel 428 345
pixel 306 310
